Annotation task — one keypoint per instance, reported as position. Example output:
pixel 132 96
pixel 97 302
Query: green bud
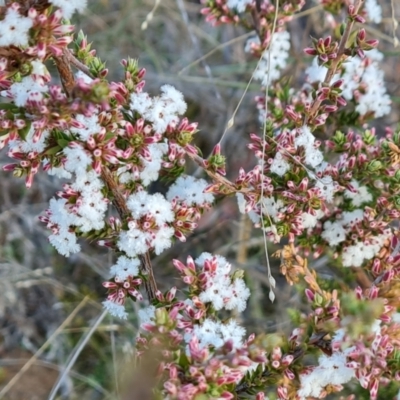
pixel 374 166
pixel 368 137
pixel 161 316
pixel 318 299
pixel 238 274
pixel 339 138
pixel 100 91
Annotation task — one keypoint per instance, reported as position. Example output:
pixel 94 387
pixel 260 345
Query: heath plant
pixel 326 183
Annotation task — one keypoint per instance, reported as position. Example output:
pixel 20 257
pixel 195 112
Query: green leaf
pixel 63 143
pixel 23 133
pixel 53 150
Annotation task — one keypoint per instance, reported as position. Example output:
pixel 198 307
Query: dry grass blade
pixel 32 360
pixel 75 354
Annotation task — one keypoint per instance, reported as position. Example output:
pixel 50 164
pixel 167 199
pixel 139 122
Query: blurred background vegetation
pixel 48 303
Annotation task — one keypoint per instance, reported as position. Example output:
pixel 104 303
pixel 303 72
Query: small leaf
pixel 63 143
pixel 23 133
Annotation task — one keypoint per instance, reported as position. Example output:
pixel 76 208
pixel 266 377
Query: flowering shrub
pixel 326 183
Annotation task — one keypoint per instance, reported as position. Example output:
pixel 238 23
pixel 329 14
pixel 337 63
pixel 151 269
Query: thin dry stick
pixel 196 46
pixel 33 359
pixel 74 356
pixel 339 58
pixel 215 49
pixel 395 25
pixel 270 277
pixel 67 79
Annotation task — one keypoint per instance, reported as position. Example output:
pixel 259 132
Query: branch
pixel 77 64
pixel 334 65
pixel 63 64
pixel 219 178
pixel 123 211
pixel 65 71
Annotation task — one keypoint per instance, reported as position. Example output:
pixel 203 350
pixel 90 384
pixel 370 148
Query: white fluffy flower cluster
pixel 335 232
pixel 238 5
pixel 161 111
pixel 330 371
pixel 30 88
pixel 352 256
pixel 374 11
pixel 32 143
pixel 150 166
pixel 355 255
pixel 306 139
pixel 149 229
pixel 360 196
pixel 68 7
pixel 87 214
pixel 274 59
pixel 125 267
pixel 363 82
pixel 191 191
pixel 14 28
pixel 221 291
pixel 216 333
pixel 89 126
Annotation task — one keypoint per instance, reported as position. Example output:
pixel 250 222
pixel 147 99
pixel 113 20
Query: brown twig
pixel 123 211
pixel 63 64
pixel 77 64
pixel 219 178
pixel 64 69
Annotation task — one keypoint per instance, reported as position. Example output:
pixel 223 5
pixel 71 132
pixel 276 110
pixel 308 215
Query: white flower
pixel 125 267
pixel 77 159
pixel 190 190
pixel 274 58
pixel 68 7
pixel 146 314
pixel 327 187
pixel 330 371
pixel 238 5
pixel 59 172
pixel 65 242
pixel 310 220
pixel 90 124
pixel 360 196
pixel 239 293
pixel 279 165
pixel 137 204
pixel 117 310
pixel 14 29
pixel 162 110
pixel 315 72
pixel 29 144
pixel 174 100
pixel 163 239
pixel 141 102
pixel 134 242
pixel 333 233
pixel 27 89
pixel 350 218
pixel 273 208
pixel 160 209
pixel 88 182
pixel 232 331
pixel 60 215
pixel 374 11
